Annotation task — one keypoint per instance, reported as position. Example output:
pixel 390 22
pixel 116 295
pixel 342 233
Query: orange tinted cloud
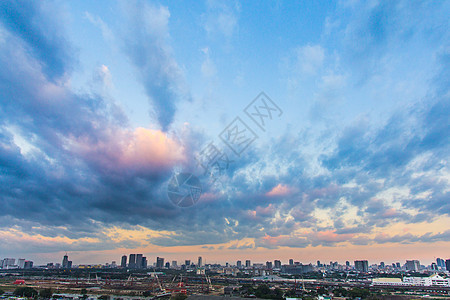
pixel 279 190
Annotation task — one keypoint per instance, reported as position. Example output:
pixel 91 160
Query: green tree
pixel 147 294
pixel 46 293
pixel 358 293
pixel 25 292
pixel 179 297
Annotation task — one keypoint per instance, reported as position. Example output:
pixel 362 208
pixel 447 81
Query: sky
pixel 316 130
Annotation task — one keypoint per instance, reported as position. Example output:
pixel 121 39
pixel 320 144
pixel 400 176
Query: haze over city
pixel 230 130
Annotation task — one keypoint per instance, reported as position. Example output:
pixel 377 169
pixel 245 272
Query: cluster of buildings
pixel 11 263
pixel 433 280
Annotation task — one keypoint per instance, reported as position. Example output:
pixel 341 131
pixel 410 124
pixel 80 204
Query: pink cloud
pixel 279 190
pixel 142 150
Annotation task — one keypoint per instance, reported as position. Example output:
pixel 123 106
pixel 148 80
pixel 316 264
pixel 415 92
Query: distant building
pixel 248 263
pixel 123 262
pixel 239 264
pixel 167 266
pixel 132 261
pixel 21 263
pixel 139 261
pixel 277 264
pixel 291 262
pixel 382 265
pixel 28 264
pixel 174 263
pixel 433 280
pixel 144 262
pixel 362 265
pixel 319 264
pixel 297 269
pixel 398 265
pixel 187 262
pixel 447 265
pixel 412 265
pixel 440 262
pixel 347 263
pixel 199 264
pixel 65 261
pixel 269 265
pixel 159 262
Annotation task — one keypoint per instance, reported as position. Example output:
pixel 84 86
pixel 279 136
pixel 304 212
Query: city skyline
pixel 227 130
pixel 181 261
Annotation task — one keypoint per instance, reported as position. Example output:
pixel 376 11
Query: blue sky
pixel 102 102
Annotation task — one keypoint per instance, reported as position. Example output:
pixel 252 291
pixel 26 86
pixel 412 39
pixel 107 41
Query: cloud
pixel 221 18
pixel 39 32
pixel 146 42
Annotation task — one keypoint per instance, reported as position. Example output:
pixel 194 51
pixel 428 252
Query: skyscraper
pixel 199 264
pixel 174 263
pixel 21 263
pixel 291 262
pixel 123 263
pixel 362 265
pixel 239 264
pixel 447 265
pixel 144 262
pixel 412 265
pixel 159 262
pixel 248 263
pixel 139 261
pixel 277 264
pixel 29 264
pixel 269 265
pixel 132 261
pixel 65 262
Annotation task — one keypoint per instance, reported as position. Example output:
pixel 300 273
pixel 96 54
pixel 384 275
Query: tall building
pixel 8 262
pixel 21 263
pixel 239 264
pixel 318 264
pixel 440 262
pixel 291 262
pixel 123 262
pixel 398 265
pixel 277 264
pixel 447 265
pixel 65 262
pixel 187 262
pixel 29 264
pixel 199 264
pixel 144 262
pixel 159 262
pixel 362 265
pixel 412 265
pixel 382 265
pixel 174 263
pixel 248 263
pixel 269 265
pixel 139 261
pixel 132 261
pixel 347 263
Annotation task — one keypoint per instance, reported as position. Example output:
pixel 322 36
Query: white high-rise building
pixel 21 263
pixel 8 262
